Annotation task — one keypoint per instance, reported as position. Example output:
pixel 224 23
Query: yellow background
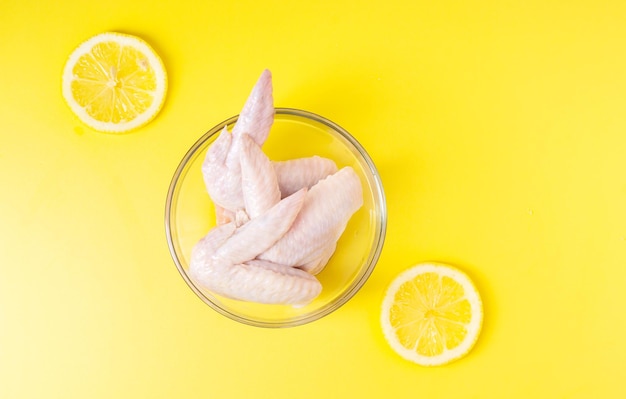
pixel 498 127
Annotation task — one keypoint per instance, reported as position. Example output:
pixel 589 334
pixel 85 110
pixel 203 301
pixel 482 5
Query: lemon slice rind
pixel 154 62
pixel 473 327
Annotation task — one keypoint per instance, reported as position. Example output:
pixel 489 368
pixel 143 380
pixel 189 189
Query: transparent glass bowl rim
pixel 379 200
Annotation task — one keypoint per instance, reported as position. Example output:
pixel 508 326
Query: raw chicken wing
pixel 327 208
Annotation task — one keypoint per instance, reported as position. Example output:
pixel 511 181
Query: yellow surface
pixel 499 130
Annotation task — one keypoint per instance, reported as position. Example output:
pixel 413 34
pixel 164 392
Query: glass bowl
pixel 190 214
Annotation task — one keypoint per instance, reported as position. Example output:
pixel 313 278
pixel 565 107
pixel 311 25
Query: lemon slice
pixel 114 82
pixel 432 314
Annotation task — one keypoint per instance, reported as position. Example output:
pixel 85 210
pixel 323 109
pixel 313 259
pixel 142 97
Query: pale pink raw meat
pixel 222 168
pixel 262 232
pixel 223 261
pixel 258 179
pixel 257 115
pixel 222 183
pixel 328 206
pixel 319 259
pixel 223 216
pixel 278 223
pixel 298 173
pixel 266 282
